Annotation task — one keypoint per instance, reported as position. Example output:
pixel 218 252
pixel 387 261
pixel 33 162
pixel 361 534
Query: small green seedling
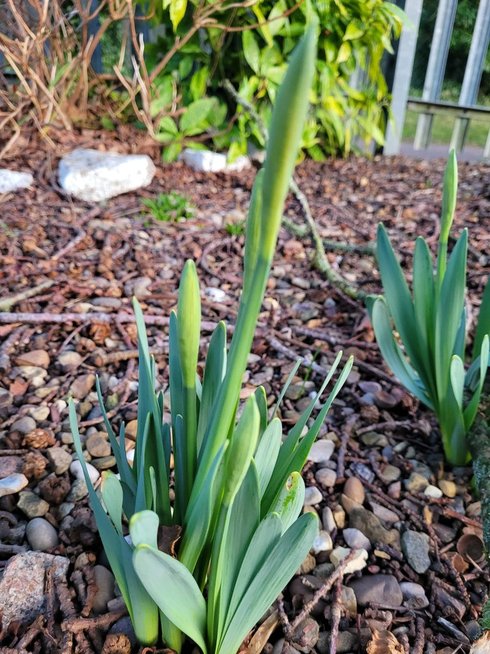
pixel 170 207
pixel 431 326
pixel 226 480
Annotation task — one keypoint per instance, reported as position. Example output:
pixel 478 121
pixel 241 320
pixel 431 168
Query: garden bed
pixel 89 260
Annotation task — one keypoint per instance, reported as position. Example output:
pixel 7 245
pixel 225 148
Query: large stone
pixel 22 588
pixel 13 484
pixel 13 180
pixel 415 547
pixel 372 528
pixel 94 176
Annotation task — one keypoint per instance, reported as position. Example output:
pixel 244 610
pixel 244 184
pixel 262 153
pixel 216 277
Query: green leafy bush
pixel 431 324
pixel 229 507
pixel 354 36
pixel 169 207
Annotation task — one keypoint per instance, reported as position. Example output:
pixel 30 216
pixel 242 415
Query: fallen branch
pixel 7 303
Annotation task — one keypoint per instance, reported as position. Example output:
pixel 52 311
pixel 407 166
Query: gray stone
pixel 82 386
pixel 414 595
pixel 104 580
pixel 41 535
pixel 32 505
pixel 326 477
pixel 59 459
pixel 12 484
pixel 78 491
pixel 372 528
pixel 69 360
pixel 77 471
pixel 22 588
pixel 312 496
pixel 104 463
pixel 94 176
pixel 415 547
pixel 212 162
pixel 356 539
pixel 24 425
pixel 389 473
pixel 13 180
pixel 124 626
pixel 321 451
pixel 383 590
pixel 39 413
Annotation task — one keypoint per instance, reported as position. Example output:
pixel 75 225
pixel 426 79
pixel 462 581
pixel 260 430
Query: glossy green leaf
pixel 177 12
pixel 174 590
pixel 251 50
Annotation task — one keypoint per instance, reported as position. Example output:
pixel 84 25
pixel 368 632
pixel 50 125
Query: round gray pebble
pixel 41 535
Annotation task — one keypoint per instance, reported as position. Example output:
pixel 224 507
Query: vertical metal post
pixel 434 77
pixel 92 29
pixel 403 76
pixel 473 71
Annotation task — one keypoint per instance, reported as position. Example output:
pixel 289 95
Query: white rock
pixel 12 484
pixel 322 543
pixel 212 162
pixel 433 491
pixel 215 294
pixel 356 539
pixel 321 451
pixel 312 496
pixel 77 471
pixel 358 562
pixel 13 180
pixel 93 176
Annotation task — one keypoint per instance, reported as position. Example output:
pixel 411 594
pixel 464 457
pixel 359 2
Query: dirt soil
pixel 86 261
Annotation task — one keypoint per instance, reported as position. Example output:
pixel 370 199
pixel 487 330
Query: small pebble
pixel 416 483
pixel 449 488
pixel 41 535
pixel 433 491
pixel 12 484
pixel 339 516
pixel 322 543
pixel 359 561
pixel 97 445
pixel 78 491
pixel 379 589
pixel 38 358
pixel 356 539
pixel 321 451
pixel 326 477
pixel 312 496
pixel 10 465
pixel 39 413
pixel 24 425
pixel 32 505
pixel 131 429
pixel 104 580
pixel 389 473
pixel 82 386
pixel 415 547
pixel 104 463
pixel 414 595
pixel 77 471
pixel 328 521
pixel 59 459
pixel 69 361
pixel 354 490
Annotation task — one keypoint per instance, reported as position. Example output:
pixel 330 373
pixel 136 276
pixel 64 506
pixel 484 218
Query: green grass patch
pixel 442 128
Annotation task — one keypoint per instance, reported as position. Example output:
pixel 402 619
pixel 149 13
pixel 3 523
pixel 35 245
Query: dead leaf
pixel 262 635
pixel 482 645
pixel 384 642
